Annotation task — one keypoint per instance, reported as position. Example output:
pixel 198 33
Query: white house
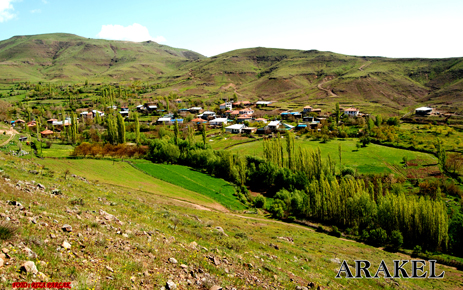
pixel 226 106
pixel 274 125
pixel 218 122
pixel 423 111
pixel 235 129
pixel 246 111
pixel 263 103
pixel 205 115
pixel 353 112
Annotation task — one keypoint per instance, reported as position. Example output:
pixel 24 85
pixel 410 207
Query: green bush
pixel 378 237
pixel 396 240
pixel 335 232
pixel 7 232
pixel 259 201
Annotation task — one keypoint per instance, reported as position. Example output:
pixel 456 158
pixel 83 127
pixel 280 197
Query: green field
pixel 124 175
pixel 215 188
pixel 58 150
pixel 371 159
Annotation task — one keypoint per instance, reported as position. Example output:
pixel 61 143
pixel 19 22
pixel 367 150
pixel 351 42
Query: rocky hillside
pixel 59 227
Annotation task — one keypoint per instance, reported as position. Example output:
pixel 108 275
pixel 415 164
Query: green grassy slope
pixel 135 252
pixel 182 176
pixel 71 57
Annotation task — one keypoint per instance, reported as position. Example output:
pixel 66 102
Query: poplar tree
pixel 112 131
pixel 338 114
pixel 176 131
pixel 120 129
pixel 137 129
pixel 203 132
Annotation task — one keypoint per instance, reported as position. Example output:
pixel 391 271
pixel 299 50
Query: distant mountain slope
pixel 309 76
pixel 67 56
pixel 294 77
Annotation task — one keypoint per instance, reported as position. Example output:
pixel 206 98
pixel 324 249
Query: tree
pixel 73 128
pixel 441 155
pixel 371 124
pixel 137 129
pixel 379 120
pixel 176 131
pixel 112 131
pixel 454 162
pixel 203 133
pixel 167 104
pixel 338 114
pixel 120 129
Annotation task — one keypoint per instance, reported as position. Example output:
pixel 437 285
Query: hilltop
pixel 70 57
pixel 292 77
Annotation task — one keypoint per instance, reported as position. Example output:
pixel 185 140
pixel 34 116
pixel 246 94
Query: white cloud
pixel 44 1
pixel 134 32
pixel 36 11
pixel 6 10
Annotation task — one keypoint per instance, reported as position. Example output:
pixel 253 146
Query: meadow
pixel 370 159
pixel 215 188
pixel 124 175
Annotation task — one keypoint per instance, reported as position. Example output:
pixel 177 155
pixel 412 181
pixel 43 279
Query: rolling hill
pixel 292 77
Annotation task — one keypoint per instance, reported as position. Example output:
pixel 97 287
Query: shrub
pixel 378 237
pixel 416 251
pixel 7 232
pixel 259 201
pixel 348 171
pixel 335 232
pixel 396 240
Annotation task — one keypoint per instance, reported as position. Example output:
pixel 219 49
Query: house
pixel 261 120
pixel 163 120
pixel 207 115
pixel 307 109
pixel 246 111
pixel 274 125
pixel 94 112
pixel 243 118
pixel 226 106
pixel 179 121
pixel 249 130
pixel 423 111
pixel 263 103
pixel 318 111
pixel 124 113
pixel 237 104
pixel 235 129
pixel 51 121
pixel 218 122
pixel 140 108
pixel 300 127
pixel 22 138
pixel 150 107
pixel 352 112
pixel 46 133
pixel 288 126
pixel 125 109
pixel 86 115
pixel 199 121
pixel 195 110
pixel 246 103
pixel 234 114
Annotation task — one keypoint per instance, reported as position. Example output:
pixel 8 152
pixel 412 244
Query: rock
pixel 219 229
pixel 170 285
pixel 29 267
pixel 336 260
pixel 1 262
pixel 40 186
pixel 52 236
pixel 66 245
pixel 109 269
pixel 215 287
pixel 66 228
pixel 193 245
pixel 30 253
pixel 56 191
pixel 108 216
pixel 125 235
pixel 310 285
pixel 5 250
pixel 33 172
pixel 183 266
pixel 173 260
pixel 42 276
pixel 132 279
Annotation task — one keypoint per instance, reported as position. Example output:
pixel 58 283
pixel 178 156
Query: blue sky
pixel 405 28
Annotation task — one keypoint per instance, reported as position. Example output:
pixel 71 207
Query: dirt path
pixel 364 66
pixel 328 91
pixel 12 132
